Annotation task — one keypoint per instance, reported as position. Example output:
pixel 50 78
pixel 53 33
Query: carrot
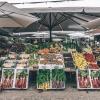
pixel 24 85
pixel 20 82
pixel 17 82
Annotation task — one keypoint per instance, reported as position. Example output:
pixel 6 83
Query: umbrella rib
pixel 59 22
pixel 75 21
pixel 44 20
pixel 76 17
pixel 60 27
pixel 55 19
pixel 3 4
pixel 41 22
pixel 78 23
pixel 62 19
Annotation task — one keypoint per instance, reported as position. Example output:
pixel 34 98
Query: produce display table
pixel 69 69
pixel 50 66
pixel 88 72
pixel 51 75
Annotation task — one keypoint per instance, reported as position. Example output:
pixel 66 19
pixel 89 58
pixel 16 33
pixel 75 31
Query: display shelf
pixel 50 66
pixel 70 70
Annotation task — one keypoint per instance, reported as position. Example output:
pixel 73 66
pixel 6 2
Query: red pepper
pixel 89 57
pixel 93 66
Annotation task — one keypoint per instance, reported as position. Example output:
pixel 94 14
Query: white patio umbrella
pixel 11 16
pixel 93 24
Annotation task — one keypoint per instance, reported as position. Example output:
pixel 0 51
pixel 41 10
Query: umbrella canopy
pixel 11 16
pixel 93 24
pixel 59 21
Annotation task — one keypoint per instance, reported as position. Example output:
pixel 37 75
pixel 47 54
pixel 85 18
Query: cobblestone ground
pixel 33 94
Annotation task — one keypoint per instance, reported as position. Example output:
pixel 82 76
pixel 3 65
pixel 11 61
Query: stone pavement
pixel 33 94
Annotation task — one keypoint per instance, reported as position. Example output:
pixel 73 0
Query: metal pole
pixel 50 27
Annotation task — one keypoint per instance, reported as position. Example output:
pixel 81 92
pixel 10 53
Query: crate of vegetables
pixel 95 78
pixel 21 78
pixel 83 79
pixel 43 79
pixel 7 79
pixel 58 79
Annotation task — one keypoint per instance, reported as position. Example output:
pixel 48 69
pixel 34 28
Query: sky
pixel 79 3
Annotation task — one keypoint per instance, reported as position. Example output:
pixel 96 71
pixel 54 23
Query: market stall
pixel 61 48
pixel 51 61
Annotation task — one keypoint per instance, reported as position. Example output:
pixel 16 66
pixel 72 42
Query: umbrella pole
pixel 50 35
pixel 50 27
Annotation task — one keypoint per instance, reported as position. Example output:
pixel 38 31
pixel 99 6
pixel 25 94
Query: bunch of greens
pixel 22 73
pixel 8 73
pixel 84 73
pixel 58 78
pixel 43 76
pixel 58 74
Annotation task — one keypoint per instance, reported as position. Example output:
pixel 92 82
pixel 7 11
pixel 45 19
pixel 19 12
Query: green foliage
pixel 84 73
pixel 58 75
pixel 22 73
pixel 43 76
pixel 1 63
pixel 8 72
